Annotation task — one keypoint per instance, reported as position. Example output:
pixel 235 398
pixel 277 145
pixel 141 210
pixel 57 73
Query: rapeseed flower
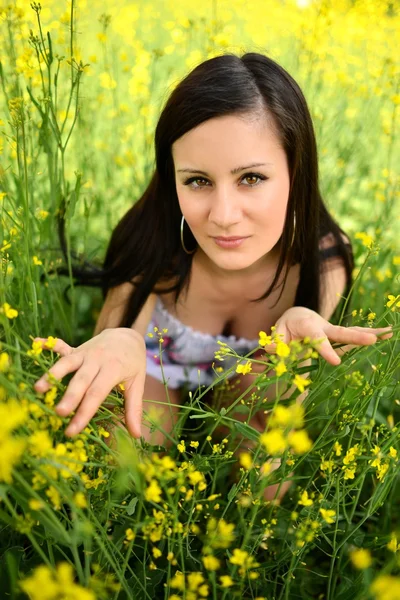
pixel 11 313
pixel 300 382
pixel 211 563
pixel 282 349
pixel 153 492
pixel 244 369
pixel 246 460
pixel 264 339
pixel 361 558
pixel 274 441
pixel 226 580
pixel 45 584
pixel 305 500
pixel 392 545
pixel 280 368
pixel 386 587
pixel 328 514
pixel 393 302
pixel 299 441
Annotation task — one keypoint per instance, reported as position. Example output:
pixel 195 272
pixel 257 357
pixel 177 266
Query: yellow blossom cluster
pixel 381 462
pixel 281 434
pixel 52 585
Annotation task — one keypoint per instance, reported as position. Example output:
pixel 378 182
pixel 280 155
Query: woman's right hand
pixel 116 355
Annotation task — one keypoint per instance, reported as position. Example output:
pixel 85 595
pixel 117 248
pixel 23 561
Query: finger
pixel 100 388
pixel 60 346
pixel 349 335
pixel 133 394
pixel 343 349
pixel 77 387
pixel 384 333
pixel 325 349
pixel 66 364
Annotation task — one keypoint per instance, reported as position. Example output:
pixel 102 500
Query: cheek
pixel 194 211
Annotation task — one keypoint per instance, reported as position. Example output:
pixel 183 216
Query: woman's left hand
pixel 299 322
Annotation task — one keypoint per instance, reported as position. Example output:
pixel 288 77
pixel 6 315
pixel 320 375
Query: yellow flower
pixel 130 534
pixel 40 443
pixel 282 349
pixel 305 500
pixel 194 444
pixel 36 261
pixel 337 448
pixel 36 348
pixel 35 504
pixel 80 500
pixel 107 82
pixel 349 473
pixel 327 465
pixel 246 460
pixel 371 316
pixel 153 491
pixel 54 496
pixel 367 240
pixel 393 302
pixel 4 362
pixel 50 342
pixel 157 552
pixel 300 382
pixel 226 580
pixel 396 261
pixel 351 454
pixel 244 369
pixel 11 450
pixel 328 514
pixel 211 563
pixel 10 313
pixel 181 446
pixel 299 441
pixel 239 557
pixel 274 441
pixel 361 558
pixel 386 587
pixel 381 471
pixel 45 583
pixel 393 546
pixel 393 452
pixel 280 368
pixel 264 339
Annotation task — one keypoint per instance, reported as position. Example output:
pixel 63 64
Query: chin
pixel 234 263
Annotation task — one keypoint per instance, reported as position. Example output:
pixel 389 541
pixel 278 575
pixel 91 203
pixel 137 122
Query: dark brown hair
pixel 145 245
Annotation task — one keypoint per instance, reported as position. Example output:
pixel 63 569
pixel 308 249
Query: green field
pixel 81 93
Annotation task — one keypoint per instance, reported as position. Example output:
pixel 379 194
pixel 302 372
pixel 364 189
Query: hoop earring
pixel 294 227
pixel 182 242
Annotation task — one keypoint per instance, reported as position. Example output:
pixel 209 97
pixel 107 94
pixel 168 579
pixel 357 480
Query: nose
pixel 225 211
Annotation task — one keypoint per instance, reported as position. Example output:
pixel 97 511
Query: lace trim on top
pixel 175 327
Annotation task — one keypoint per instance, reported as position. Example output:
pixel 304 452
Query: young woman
pixel 230 237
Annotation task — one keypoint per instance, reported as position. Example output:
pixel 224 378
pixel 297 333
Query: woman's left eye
pixel 246 176
pixel 254 175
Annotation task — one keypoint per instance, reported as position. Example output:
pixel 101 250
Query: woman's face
pixel 221 199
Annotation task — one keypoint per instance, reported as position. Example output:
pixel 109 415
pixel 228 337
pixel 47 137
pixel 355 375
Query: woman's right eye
pixel 192 179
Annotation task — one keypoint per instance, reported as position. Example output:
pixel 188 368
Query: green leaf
pixel 247 432
pixel 130 509
pixel 232 492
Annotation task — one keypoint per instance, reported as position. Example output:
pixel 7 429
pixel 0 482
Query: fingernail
pixel 72 429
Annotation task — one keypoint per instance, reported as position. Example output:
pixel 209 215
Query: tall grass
pixel 81 91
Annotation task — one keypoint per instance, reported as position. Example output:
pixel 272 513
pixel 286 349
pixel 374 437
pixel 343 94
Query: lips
pixel 230 239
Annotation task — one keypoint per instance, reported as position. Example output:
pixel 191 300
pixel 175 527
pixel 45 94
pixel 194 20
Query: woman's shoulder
pixel 329 247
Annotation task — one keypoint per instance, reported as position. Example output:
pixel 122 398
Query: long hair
pixel 145 247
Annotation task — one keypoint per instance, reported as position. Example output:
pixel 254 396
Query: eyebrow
pixel 234 171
